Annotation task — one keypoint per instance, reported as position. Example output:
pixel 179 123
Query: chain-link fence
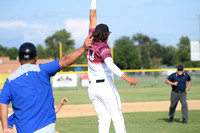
pixel 154 78
pixel 146 78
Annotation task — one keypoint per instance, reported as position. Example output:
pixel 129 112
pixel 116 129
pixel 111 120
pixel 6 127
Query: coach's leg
pixel 184 108
pixel 174 102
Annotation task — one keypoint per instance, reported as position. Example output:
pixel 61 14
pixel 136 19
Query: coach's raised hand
pixel 88 42
pixel 70 58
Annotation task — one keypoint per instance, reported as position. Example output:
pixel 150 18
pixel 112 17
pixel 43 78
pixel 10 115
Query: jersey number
pixel 90 56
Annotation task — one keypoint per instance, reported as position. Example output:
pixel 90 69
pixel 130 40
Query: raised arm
pixel 93 15
pixel 70 58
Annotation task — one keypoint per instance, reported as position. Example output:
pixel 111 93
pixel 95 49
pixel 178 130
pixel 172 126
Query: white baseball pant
pixel 47 129
pixel 106 101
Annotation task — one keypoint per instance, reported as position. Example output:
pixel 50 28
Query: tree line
pixel 136 52
pixel 141 51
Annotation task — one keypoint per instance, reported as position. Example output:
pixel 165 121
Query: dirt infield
pixel 88 110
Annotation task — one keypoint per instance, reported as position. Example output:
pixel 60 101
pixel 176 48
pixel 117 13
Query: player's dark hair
pixel 98 36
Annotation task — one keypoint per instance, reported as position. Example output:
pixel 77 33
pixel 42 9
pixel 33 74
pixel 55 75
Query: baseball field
pixel 145 110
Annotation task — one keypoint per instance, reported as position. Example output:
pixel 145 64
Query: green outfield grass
pixel 143 122
pixel 131 94
pixel 137 122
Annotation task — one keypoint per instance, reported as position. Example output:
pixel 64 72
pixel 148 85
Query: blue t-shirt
pixel 11 120
pixel 181 79
pixel 30 92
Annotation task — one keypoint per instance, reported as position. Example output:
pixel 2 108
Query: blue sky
pixel 34 21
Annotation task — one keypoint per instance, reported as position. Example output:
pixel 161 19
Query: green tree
pixel 152 53
pixel 41 52
pixel 183 52
pixel 125 54
pixel 155 49
pixel 52 43
pixel 3 51
pixel 12 53
pixel 169 55
pixel 143 46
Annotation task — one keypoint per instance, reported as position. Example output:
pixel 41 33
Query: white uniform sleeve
pixel 113 67
pixel 93 5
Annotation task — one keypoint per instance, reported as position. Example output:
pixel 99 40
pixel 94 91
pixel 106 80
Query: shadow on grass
pixel 174 120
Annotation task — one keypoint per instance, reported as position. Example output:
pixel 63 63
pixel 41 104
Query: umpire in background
pixel 178 82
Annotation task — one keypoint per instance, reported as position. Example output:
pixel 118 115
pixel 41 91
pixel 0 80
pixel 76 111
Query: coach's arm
pixel 70 58
pixel 4 118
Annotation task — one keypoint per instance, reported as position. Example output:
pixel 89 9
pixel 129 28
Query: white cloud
pixel 17 24
pixel 78 28
pixel 17 32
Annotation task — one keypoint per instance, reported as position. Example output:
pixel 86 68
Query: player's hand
pixel 64 100
pixel 7 130
pixel 175 83
pixel 88 42
pixel 133 81
pixel 187 89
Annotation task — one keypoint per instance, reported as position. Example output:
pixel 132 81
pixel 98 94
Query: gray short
pixel 48 129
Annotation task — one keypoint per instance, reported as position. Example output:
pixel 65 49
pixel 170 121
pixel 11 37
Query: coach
pixel 178 82
pixel 29 89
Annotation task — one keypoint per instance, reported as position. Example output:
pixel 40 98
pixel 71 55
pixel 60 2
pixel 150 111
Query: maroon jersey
pixel 96 56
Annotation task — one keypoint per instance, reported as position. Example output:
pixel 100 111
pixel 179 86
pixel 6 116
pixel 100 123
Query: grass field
pixel 150 89
pixel 140 122
pixel 131 94
pixel 144 122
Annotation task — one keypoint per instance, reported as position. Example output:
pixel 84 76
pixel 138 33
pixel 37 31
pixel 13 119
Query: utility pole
pixel 199 28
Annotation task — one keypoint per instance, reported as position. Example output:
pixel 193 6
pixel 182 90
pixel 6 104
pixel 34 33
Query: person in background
pixel 178 82
pixel 59 106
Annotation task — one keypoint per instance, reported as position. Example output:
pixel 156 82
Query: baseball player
pixel 102 92
pixel 29 89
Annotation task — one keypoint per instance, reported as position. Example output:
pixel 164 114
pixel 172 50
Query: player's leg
pixel 113 104
pixel 184 108
pixel 104 118
pixel 103 115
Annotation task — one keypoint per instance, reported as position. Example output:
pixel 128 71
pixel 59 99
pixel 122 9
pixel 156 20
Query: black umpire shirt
pixel 181 79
